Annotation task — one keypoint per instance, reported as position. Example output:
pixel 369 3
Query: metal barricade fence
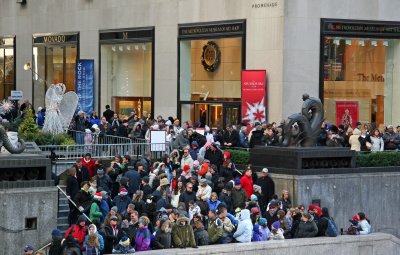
pixel 79 138
pixel 104 151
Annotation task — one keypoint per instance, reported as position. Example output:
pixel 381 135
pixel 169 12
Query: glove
pixel 81 209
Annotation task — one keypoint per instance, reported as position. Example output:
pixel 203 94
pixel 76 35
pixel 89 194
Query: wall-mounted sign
pixel 146 33
pixel 355 27
pixel 254 96
pixel 235 27
pixel 211 56
pixel 16 95
pixel 55 38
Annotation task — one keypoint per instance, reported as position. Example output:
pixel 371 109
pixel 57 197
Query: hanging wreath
pixel 211 56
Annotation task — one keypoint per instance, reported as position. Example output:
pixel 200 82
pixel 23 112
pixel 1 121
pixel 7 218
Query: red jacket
pixel 78 232
pixel 247 184
pixel 90 165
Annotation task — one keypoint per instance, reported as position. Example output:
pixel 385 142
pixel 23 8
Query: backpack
pixel 332 230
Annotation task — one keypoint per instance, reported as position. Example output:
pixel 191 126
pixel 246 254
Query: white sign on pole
pixel 158 139
pixel 16 95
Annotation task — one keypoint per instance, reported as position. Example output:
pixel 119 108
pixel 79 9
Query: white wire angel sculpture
pixel 60 109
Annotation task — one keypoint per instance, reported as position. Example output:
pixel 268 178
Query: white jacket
pixel 365 227
pixel 377 143
pixel 204 193
pixel 244 231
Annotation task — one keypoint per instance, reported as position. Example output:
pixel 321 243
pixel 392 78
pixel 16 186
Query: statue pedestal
pixel 303 161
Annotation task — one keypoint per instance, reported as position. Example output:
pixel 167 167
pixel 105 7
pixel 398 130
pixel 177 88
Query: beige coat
pixel 353 140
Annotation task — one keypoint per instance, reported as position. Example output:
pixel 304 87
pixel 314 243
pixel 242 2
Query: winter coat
pixel 95 213
pixel 143 239
pixel 377 143
pixel 354 141
pixel 213 205
pixel 365 227
pixel 99 236
pixel 134 180
pixel 271 218
pixel 84 199
pixel 72 186
pixel 214 232
pixel 55 247
pixel 90 166
pixel 256 138
pixel 322 226
pixel 232 137
pixel 82 174
pixel 238 196
pixel 257 235
pixel 267 189
pixel 186 197
pixel 265 233
pixel 163 239
pixel 110 239
pixel 121 249
pixel 278 235
pixel 307 229
pixel 215 157
pixel 247 185
pixel 89 250
pixel 187 161
pixel 104 183
pixel 104 208
pixel 78 232
pixel 225 198
pixel 201 237
pixel 122 203
pixel 227 226
pixel 203 193
pixel 183 236
pixel 244 231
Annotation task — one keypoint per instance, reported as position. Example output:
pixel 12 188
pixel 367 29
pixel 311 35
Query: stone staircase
pixel 63 211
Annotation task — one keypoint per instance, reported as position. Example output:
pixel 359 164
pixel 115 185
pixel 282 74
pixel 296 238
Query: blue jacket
pixel 122 203
pixel 212 206
pixel 40 119
pixel 134 180
pixel 104 209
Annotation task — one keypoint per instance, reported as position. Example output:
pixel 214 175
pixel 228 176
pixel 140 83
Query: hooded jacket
pixel 183 236
pixel 201 236
pixel 244 231
pixel 100 237
pixel 95 213
pixel 247 185
pixel 257 235
pixel 214 232
pixel 162 239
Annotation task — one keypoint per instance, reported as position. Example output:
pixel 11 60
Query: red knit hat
pixel 186 168
pixel 123 191
pixel 98 196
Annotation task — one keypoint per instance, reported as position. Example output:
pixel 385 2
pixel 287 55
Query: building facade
pixel 184 57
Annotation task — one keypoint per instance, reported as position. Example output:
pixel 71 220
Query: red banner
pixel 347 112
pixel 254 96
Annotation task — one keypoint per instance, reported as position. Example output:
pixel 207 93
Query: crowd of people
pixel 178 202
pixel 195 195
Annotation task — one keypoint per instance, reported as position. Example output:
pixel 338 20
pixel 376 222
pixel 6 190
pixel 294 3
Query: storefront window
pixel 54 60
pixel 126 77
pixel 211 58
pixel 7 67
pixel 361 77
pixel 222 83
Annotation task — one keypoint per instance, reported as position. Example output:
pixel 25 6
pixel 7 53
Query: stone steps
pixel 63 212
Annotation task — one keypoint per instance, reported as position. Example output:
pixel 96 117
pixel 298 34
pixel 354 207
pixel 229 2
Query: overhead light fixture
pixel 374 43
pixel 348 41
pixel 361 42
pixel 336 42
pixel 385 43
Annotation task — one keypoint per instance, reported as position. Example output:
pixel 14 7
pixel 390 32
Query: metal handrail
pixel 73 203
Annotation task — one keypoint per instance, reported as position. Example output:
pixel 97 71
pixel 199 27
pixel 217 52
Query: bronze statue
pixel 303 129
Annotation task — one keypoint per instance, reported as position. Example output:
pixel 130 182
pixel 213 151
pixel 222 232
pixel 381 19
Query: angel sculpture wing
pixel 67 108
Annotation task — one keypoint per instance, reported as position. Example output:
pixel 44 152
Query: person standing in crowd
pixel 267 186
pixel 377 143
pixel 133 180
pixel 110 235
pixel 78 231
pixel 188 195
pixel 108 113
pixel 307 227
pixel 214 155
pixel 285 201
pixel 72 189
pixel 56 238
pixel 247 182
pixel 391 139
pixel 82 172
pixel 244 230
pixel 143 235
pixel 89 163
pixel 231 137
pixel 83 199
pixel 239 195
pixel 182 233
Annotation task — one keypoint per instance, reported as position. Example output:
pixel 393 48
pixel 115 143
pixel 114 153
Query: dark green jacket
pixel 238 196
pixel 183 236
pixel 214 233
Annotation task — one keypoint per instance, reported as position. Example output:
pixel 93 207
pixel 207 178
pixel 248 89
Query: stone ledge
pixel 373 244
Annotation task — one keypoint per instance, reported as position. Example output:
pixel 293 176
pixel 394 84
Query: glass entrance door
pixel 231 114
